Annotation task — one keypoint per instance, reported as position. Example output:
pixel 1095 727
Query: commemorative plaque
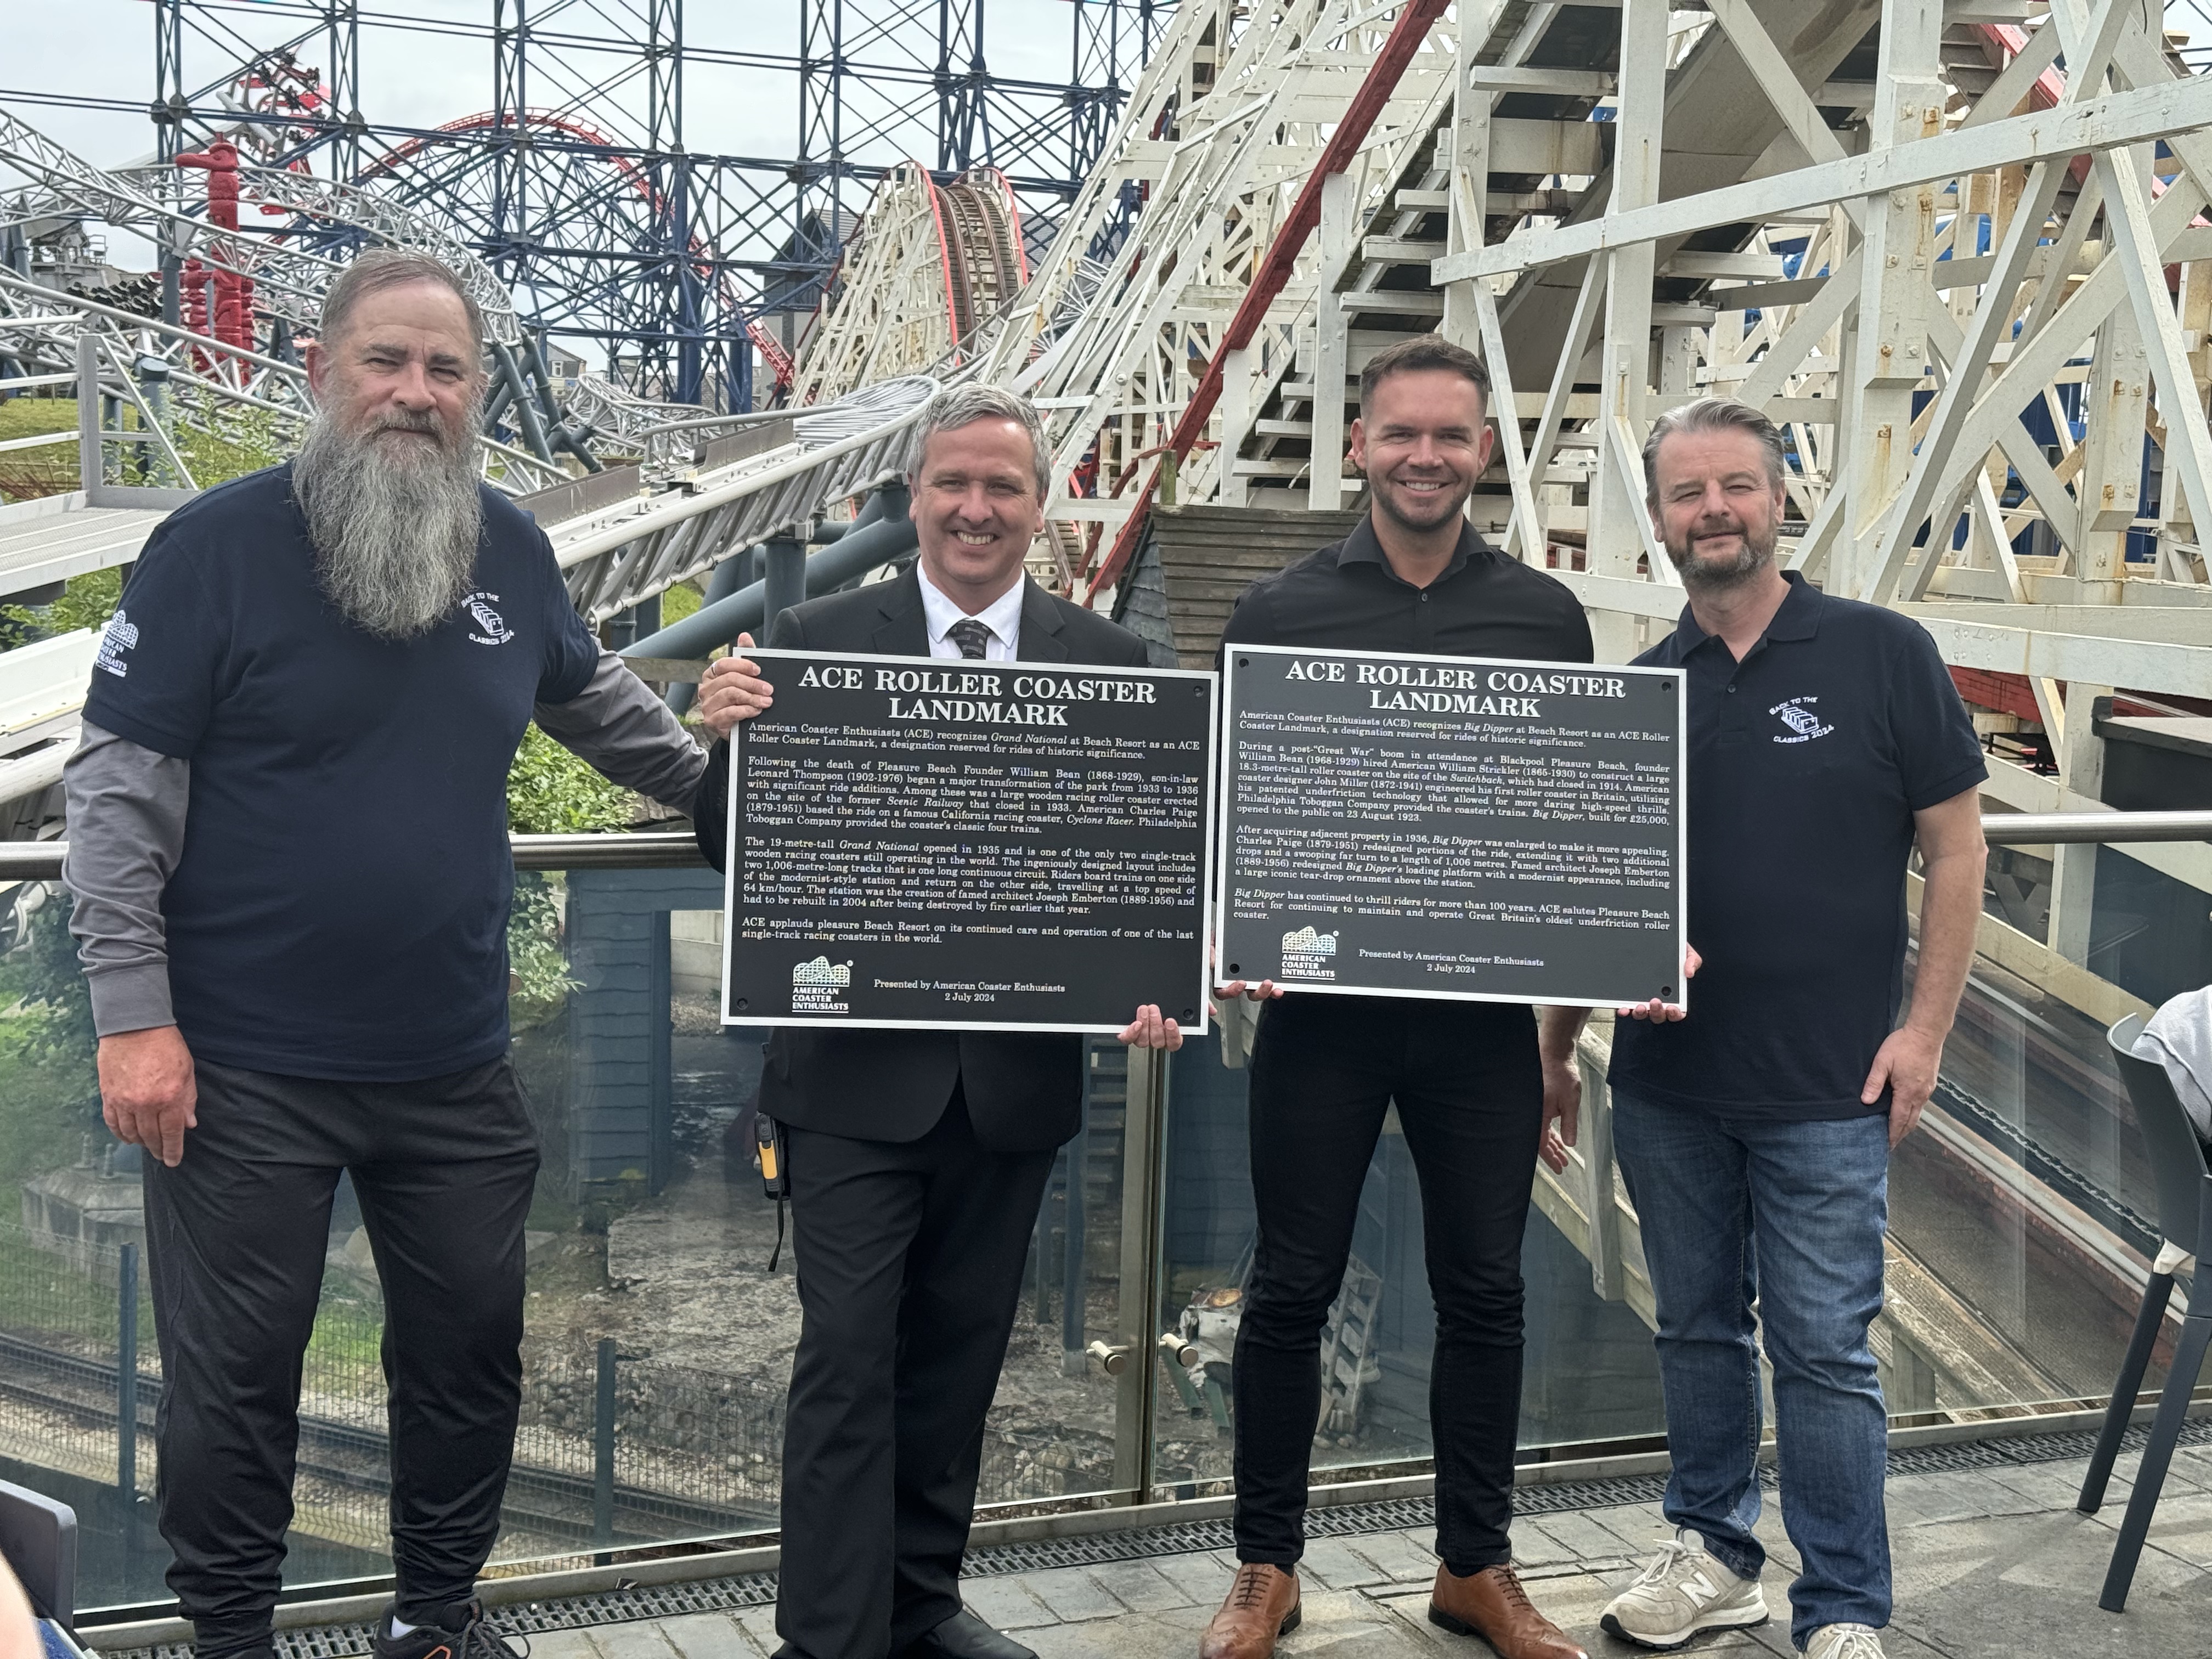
pixel 1451 827
pixel 950 844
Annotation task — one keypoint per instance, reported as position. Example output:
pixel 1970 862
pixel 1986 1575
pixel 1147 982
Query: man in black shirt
pixel 287 849
pixel 1826 740
pixel 1465 1075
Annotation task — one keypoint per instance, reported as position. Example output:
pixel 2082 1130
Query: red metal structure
pixel 230 317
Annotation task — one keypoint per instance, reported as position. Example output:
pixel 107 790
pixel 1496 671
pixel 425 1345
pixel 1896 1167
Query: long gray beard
pixel 393 523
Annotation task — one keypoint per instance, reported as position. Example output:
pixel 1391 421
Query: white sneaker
pixel 1844 1641
pixel 1685 1588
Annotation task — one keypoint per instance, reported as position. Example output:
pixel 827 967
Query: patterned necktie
pixel 970 635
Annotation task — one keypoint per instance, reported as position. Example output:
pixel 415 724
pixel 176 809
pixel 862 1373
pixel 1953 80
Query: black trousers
pixel 909 1261
pixel 1469 1091
pixel 236 1234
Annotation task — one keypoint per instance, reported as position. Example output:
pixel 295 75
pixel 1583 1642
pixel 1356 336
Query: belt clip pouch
pixel 776 1176
pixel 774 1183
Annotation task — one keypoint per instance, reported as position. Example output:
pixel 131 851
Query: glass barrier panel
pixel 656 1336
pixel 79 1377
pixel 2022 1215
pixel 1589 1371
pixel 658 1342
pixel 1051 1431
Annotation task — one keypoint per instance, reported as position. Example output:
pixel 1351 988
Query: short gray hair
pixel 963 405
pixel 382 268
pixel 1712 415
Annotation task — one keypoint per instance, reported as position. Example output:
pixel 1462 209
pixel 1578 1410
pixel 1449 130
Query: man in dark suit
pixel 917 1159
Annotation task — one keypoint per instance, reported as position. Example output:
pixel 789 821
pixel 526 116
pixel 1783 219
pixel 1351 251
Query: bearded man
pixel 1825 741
pixel 287 849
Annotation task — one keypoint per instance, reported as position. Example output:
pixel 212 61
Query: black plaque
pixel 1452 827
pixel 1016 845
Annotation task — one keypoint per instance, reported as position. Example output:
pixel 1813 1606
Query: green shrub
pixel 551 792
pixel 538 965
pixel 86 601
pixel 49 1026
pixel 678 602
pixel 242 441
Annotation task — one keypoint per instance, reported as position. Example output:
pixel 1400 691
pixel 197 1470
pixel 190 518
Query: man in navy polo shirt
pixel 288 847
pixel 1825 741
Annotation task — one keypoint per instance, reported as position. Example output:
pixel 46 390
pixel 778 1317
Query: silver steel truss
pixel 288 282
pixel 329 209
pixel 577 181
pixel 292 264
pixel 174 379
pixel 39 328
pixel 628 420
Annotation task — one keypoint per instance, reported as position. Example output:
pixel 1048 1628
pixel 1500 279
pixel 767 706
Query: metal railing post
pixel 1607 1277
pixel 602 1452
pixel 785 572
pixel 1042 1278
pixel 89 476
pixel 1073 1304
pixel 153 377
pixel 1142 1148
pixel 126 1379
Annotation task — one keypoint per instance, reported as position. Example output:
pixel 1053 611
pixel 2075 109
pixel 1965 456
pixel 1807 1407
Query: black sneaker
pixel 462 1633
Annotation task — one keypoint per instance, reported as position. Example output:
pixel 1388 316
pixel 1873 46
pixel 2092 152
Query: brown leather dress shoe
pixel 1492 1605
pixel 1262 1604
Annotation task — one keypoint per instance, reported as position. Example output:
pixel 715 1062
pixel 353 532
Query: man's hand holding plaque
pixel 732 690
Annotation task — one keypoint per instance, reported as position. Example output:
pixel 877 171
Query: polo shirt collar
pixel 1361 547
pixel 1799 617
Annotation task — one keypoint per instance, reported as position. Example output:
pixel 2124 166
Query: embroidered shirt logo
pixel 816 987
pixel 496 630
pixel 1798 714
pixel 119 636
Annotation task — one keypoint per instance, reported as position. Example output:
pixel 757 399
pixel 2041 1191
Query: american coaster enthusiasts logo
pixel 816 985
pixel 118 637
pixel 1309 955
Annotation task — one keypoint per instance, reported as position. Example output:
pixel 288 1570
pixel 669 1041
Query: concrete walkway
pixel 1989 1562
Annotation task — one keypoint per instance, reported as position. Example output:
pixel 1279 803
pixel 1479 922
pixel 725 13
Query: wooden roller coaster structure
pixel 929 266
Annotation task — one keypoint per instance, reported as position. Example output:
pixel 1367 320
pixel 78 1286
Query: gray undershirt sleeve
pixel 126 829
pixel 617 726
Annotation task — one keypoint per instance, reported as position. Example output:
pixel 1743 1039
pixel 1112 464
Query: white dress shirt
pixel 1003 617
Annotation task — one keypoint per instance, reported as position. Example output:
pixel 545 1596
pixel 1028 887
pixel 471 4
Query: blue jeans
pixel 1791 1215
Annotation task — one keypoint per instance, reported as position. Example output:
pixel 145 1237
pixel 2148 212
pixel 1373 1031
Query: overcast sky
pixel 416 78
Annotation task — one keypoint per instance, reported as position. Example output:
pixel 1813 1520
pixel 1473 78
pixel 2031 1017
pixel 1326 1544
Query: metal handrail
pixel 41 860
pixel 2119 828
pixel 656 850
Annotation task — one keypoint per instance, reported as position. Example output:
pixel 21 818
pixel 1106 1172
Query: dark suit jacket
pixel 1024 1089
